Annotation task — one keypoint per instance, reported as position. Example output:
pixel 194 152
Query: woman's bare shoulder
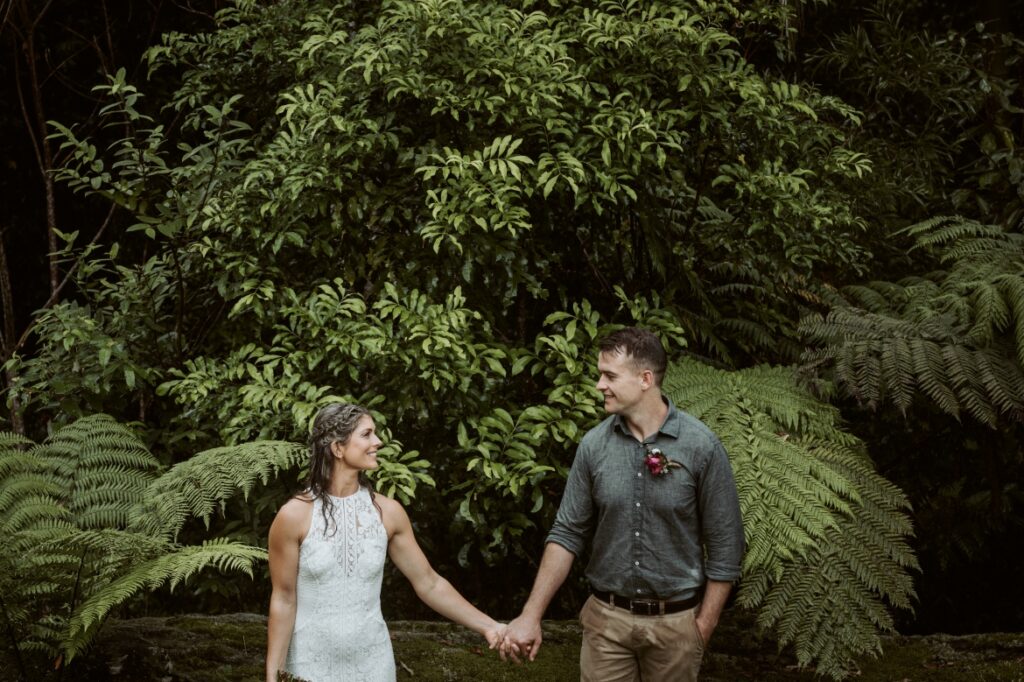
pixel 296 510
pixel 392 512
pixel 388 505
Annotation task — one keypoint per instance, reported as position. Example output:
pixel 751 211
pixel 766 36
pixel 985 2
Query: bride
pixel 327 547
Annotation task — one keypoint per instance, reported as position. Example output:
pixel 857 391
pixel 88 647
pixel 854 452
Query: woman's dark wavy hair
pixel 334 423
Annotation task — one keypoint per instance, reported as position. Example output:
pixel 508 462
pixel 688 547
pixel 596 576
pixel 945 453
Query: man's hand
pixel 705 628
pixel 715 594
pixel 522 638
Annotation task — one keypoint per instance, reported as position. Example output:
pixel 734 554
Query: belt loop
pixel 661 608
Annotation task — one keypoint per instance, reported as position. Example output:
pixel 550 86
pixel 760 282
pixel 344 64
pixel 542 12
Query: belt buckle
pixel 650 606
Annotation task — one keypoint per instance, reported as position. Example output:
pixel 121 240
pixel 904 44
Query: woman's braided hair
pixel 334 423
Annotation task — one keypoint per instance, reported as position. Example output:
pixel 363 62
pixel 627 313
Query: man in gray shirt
pixel 652 487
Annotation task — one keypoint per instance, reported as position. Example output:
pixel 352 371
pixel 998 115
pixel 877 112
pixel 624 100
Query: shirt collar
pixel 670 427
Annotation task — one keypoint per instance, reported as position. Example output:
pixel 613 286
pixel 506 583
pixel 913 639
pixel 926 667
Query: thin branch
pixel 187 7
pixel 39 17
pixel 27 116
pixel 110 42
pixel 6 294
pixel 6 11
pixel 9 352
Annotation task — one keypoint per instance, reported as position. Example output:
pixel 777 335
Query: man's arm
pixel 716 593
pixel 566 540
pixel 722 530
pixel 524 634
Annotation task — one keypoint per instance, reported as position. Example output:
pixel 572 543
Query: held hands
pixel 522 638
pixel 495 634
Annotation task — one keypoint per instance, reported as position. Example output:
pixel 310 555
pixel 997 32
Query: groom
pixel 652 488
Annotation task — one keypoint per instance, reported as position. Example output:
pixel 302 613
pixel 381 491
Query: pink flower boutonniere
pixel 658 464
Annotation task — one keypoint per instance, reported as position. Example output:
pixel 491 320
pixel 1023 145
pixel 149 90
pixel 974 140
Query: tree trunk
pixel 35 123
pixel 7 336
pixel 45 159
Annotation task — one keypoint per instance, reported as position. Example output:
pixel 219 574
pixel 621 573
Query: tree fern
pixel 826 536
pixel 197 487
pixel 89 521
pixel 955 337
pixel 171 568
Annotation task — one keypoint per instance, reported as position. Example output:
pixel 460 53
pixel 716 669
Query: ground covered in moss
pixel 229 648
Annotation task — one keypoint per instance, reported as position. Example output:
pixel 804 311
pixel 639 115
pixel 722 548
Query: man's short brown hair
pixel 641 346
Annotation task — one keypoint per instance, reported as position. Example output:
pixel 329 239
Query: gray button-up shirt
pixel 648 530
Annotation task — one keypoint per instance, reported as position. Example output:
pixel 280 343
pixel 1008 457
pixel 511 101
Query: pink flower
pixel 658 464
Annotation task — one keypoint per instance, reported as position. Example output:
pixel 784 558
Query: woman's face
pixel 360 450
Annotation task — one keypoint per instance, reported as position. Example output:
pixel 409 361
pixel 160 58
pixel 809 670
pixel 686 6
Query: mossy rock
pixel 230 648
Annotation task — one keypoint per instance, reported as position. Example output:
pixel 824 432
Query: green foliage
pixel 954 337
pixel 940 101
pixel 105 354
pixel 435 207
pixel 826 535
pixel 420 207
pixel 636 137
pixel 89 521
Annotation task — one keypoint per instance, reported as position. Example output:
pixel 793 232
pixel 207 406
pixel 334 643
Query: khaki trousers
pixel 621 647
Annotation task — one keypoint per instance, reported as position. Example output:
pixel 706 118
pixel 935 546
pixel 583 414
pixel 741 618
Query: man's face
pixel 620 381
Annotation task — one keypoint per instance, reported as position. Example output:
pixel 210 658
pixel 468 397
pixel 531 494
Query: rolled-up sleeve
pixel 575 518
pixel 721 521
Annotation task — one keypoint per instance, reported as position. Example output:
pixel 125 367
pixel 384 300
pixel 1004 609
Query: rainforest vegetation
pixel 219 215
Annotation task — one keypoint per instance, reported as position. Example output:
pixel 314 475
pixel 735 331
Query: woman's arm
pixel 286 534
pixel 435 591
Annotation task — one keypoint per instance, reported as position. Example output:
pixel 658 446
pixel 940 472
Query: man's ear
pixel 646 379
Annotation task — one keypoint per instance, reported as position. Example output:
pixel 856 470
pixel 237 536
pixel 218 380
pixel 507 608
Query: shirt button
pixel 636 563
pixel 639 474
pixel 637 533
pixel 638 504
pixel 638 591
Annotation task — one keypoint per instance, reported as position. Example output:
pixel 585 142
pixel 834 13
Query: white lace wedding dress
pixel 340 634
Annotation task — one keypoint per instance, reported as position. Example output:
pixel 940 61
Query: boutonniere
pixel 658 464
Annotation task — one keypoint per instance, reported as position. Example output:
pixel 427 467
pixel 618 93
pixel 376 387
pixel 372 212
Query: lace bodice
pixel 340 634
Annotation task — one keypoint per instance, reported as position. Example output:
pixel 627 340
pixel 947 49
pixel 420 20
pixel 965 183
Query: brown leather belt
pixel 646 607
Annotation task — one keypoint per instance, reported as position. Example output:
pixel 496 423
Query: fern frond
pixel 959 344
pixel 19 486
pixel 826 535
pixel 171 569
pixel 876 297
pixel 1012 288
pixel 102 468
pixel 202 484
pixel 942 230
pixel 819 605
pixel 32 511
pixel 748 330
pixel 10 441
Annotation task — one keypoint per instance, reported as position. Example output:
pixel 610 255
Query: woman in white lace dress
pixel 327 549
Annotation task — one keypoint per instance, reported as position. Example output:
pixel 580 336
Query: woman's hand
pixel 495 634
